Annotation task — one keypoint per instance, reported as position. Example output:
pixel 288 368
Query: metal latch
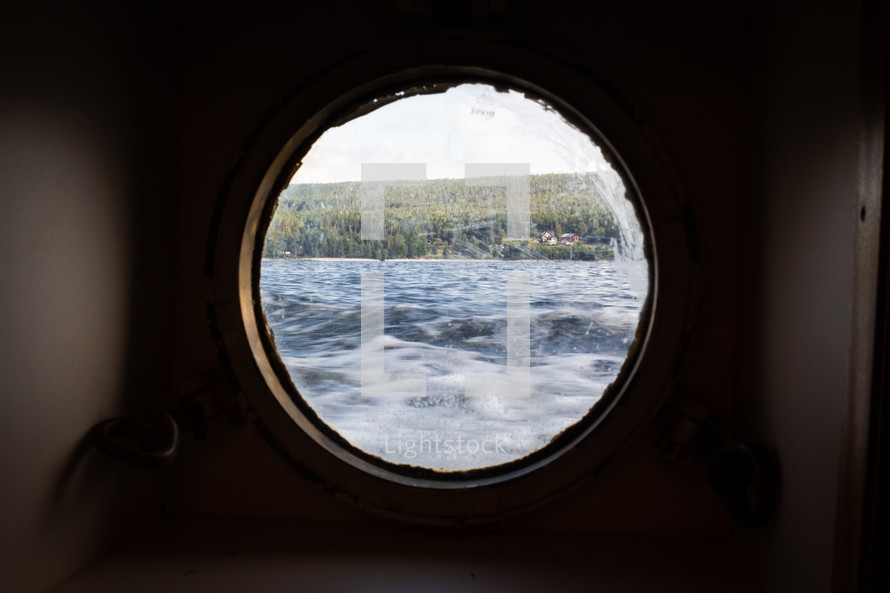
pixel 743 474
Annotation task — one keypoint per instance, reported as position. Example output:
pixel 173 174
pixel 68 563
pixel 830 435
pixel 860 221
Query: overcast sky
pixel 470 123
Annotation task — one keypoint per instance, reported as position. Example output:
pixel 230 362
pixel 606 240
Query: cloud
pixel 469 123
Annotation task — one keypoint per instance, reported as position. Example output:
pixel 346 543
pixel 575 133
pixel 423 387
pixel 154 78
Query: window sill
pixel 203 553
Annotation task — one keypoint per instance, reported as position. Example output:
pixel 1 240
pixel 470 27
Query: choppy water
pixel 447 321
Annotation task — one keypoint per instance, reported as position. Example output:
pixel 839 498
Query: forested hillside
pixel 442 218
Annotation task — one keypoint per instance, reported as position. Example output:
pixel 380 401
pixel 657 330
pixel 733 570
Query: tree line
pixel 442 218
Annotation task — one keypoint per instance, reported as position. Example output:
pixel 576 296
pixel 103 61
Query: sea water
pixel 445 322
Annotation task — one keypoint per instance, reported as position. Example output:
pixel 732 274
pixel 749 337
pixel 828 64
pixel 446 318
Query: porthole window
pixel 454 279
pixel 450 292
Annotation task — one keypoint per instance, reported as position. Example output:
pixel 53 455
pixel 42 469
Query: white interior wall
pixel 72 304
pixel 800 214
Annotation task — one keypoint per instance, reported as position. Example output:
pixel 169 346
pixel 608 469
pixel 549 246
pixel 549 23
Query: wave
pixel 449 326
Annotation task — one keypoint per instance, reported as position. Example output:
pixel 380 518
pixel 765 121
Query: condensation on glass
pixel 454 278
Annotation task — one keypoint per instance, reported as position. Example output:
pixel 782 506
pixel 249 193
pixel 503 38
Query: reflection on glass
pixel 455 278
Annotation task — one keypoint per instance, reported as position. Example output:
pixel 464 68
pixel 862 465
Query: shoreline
pixel 427 259
pixel 395 259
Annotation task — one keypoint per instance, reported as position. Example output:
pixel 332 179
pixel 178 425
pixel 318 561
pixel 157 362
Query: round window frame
pixel 327 435
pixel 268 161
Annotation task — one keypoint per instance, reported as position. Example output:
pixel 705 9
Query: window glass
pixel 454 278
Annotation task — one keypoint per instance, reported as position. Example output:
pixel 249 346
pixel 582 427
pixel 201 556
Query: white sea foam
pixel 579 329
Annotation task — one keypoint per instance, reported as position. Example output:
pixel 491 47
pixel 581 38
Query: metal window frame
pixel 267 161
